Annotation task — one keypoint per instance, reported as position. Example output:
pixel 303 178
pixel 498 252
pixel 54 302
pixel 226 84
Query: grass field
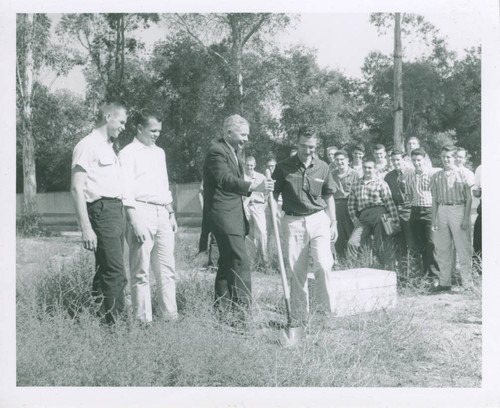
pixel 426 341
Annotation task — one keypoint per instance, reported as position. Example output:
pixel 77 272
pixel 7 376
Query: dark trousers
pixel 404 237
pixel 476 239
pixel 344 227
pixel 233 284
pixel 383 245
pixel 208 242
pixel 421 226
pixel 107 220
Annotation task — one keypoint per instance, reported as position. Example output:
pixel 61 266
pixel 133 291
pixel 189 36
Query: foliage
pixel 29 225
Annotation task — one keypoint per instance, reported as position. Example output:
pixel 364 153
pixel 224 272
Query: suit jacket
pixel 224 189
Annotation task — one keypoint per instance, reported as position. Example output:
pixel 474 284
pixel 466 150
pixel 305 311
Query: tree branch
pixel 254 29
pixel 194 36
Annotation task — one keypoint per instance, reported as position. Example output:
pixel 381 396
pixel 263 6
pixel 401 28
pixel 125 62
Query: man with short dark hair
pixel 151 220
pixel 224 190
pixel 357 159
pixel 330 156
pixel 309 223
pixel 97 189
pixel 451 206
pixel 418 182
pixel 395 179
pixel 381 163
pixel 369 200
pixel 343 178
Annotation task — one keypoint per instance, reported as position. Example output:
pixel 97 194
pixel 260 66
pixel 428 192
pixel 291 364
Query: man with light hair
pixel 224 191
pixel 255 206
pixel 151 220
pixel 97 189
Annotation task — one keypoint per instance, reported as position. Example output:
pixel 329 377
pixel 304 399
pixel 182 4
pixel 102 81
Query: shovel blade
pixel 292 336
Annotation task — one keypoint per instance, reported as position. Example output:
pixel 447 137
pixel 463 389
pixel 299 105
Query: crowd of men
pixel 386 206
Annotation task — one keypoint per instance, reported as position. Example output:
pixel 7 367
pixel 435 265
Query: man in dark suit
pixel 223 212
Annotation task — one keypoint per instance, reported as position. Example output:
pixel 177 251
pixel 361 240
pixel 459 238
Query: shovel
pixel 290 336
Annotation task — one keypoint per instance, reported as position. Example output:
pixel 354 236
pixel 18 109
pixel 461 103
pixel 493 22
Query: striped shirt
pixel 343 183
pixel 304 190
pixel 371 193
pixel 419 187
pixel 449 187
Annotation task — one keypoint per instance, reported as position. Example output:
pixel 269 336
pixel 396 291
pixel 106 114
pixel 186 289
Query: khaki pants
pixel 157 253
pixel 305 238
pixel 450 233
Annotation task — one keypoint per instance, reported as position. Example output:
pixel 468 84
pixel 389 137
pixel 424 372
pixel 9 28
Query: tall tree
pixel 238 30
pixel 398 85
pixel 32 33
pixel 107 41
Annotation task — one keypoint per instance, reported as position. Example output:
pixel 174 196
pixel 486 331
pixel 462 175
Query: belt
pixel 452 204
pixel 152 203
pixel 292 214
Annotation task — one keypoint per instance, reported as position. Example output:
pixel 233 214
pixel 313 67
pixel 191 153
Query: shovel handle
pixel 284 281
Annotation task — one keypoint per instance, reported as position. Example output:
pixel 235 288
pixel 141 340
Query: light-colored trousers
pixel 450 233
pixel 258 229
pixel 304 239
pixel 156 253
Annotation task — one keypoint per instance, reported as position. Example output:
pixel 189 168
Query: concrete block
pixel 362 290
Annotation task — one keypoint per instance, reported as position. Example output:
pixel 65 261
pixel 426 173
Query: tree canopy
pixel 208 66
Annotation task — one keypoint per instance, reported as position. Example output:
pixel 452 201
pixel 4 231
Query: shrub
pixel 29 225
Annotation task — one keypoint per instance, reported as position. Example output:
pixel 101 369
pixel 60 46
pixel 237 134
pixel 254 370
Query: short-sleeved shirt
pixel 304 190
pixel 477 178
pixel 95 154
pixel 449 187
pixel 145 174
pixel 371 193
pixel 419 187
pixel 343 183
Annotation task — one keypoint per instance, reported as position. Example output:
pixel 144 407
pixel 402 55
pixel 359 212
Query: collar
pixel 298 162
pixel 138 145
pixel 231 147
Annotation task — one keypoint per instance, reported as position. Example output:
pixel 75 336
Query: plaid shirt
pixel 343 183
pixel 371 193
pixel 419 187
pixel 303 189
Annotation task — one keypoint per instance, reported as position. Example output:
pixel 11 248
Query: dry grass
pixel 427 341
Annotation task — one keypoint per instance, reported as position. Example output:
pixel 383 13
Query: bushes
pixel 29 225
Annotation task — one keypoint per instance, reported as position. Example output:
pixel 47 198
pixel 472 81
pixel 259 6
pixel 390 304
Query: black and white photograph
pixel 251 205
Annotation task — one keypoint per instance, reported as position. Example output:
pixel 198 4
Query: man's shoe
pixel 438 288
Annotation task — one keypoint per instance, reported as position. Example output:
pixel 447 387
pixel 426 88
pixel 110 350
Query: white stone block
pixel 362 290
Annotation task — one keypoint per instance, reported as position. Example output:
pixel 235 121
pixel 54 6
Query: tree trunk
pixel 398 85
pixel 236 92
pixel 29 170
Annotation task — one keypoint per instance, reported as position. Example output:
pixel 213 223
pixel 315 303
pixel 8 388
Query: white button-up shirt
pixel 95 154
pixel 145 174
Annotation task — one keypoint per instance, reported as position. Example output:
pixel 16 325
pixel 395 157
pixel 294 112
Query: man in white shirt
pixel 151 220
pixel 97 190
pixel 255 207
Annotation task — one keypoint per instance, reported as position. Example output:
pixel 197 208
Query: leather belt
pixel 292 214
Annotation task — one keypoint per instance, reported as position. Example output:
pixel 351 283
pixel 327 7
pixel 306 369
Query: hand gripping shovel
pixel 290 336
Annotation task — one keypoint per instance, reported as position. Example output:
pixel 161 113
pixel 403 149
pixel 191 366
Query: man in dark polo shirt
pixel 396 180
pixel 309 223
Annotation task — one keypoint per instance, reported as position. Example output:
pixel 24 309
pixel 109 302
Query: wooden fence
pixel 58 212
